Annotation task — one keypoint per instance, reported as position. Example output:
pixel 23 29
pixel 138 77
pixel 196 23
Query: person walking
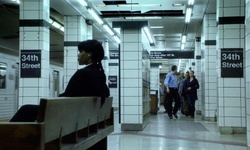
pixel 191 87
pixel 183 95
pixel 180 90
pixel 171 94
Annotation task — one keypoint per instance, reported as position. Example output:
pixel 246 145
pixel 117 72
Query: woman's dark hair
pixel 95 48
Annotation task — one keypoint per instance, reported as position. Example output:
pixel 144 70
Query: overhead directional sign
pixel 172 54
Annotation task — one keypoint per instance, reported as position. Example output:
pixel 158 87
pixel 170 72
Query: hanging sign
pixel 30 63
pixel 232 63
pixel 114 54
pixel 171 54
pixel 112 81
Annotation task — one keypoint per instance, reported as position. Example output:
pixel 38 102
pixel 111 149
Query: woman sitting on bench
pixel 88 81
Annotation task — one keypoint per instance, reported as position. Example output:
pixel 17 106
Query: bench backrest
pixel 66 115
pixel 63 123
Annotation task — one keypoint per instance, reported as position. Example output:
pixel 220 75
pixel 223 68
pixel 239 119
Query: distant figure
pixel 183 95
pixel 160 93
pixel 88 81
pixel 191 87
pixel 171 85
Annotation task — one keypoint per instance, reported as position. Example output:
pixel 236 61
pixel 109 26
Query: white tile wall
pixel 247 48
pixel 231 91
pixel 131 77
pixel 35 38
pixel 209 65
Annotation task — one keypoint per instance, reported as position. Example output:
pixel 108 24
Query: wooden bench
pixel 63 123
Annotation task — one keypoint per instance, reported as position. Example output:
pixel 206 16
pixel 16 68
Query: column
pixel 134 68
pixel 197 72
pixel 210 66
pixel 34 51
pixel 105 61
pixel 247 71
pixel 114 76
pixel 75 31
pixel 154 85
pixel 231 79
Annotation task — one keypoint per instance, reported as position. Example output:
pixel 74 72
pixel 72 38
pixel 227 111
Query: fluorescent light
pixel 62 28
pixel 182 46
pixel 137 5
pixel 143 17
pixel 156 27
pixel 107 28
pixel 96 16
pixel 190 2
pixel 179 65
pixel 188 15
pixel 117 39
pixel 118 30
pixel 83 2
pixel 158 34
pixel 17 1
pixel 56 24
pixel 183 40
pixel 177 4
pixel 51 21
pixel 146 30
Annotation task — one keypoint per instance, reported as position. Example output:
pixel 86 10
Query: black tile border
pixel 34 23
pixel 231 20
pixel 210 42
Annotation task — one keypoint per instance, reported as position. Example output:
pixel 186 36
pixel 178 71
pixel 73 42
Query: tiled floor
pixel 176 134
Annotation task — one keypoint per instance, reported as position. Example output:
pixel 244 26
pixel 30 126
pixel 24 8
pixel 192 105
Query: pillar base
pixel 232 130
pixel 212 119
pixel 198 112
pixel 136 127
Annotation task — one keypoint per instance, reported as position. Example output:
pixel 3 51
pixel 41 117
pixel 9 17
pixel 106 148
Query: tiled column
pixel 231 78
pixel 197 71
pixel 113 76
pixel 155 79
pixel 210 60
pixel 76 30
pixel 134 114
pixel 105 61
pixel 248 70
pixel 34 50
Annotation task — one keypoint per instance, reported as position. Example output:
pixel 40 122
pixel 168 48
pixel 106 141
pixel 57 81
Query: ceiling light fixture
pixel 56 24
pixel 146 30
pixel 83 2
pixel 143 17
pixel 182 46
pixel 117 39
pixel 177 4
pixel 157 27
pixel 188 15
pixel 96 16
pixel 158 34
pixel 62 28
pixel 183 39
pixel 137 5
pixel 179 65
pixel 190 2
pixel 108 29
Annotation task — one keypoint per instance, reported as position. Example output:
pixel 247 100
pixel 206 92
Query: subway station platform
pixel 183 133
